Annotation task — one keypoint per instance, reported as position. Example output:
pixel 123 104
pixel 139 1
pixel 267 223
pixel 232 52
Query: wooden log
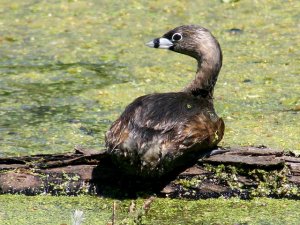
pixel 241 171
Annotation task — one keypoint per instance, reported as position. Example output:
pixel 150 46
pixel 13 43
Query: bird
pixel 159 133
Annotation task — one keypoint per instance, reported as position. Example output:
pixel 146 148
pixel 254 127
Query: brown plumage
pixel 159 133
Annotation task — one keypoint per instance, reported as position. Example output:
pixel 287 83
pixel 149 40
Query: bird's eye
pixel 176 37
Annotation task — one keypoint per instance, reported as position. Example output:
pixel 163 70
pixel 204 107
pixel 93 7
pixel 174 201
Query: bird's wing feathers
pixel 175 114
pixel 159 112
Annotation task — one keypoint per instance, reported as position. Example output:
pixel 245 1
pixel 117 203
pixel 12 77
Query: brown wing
pixel 178 118
pixel 203 132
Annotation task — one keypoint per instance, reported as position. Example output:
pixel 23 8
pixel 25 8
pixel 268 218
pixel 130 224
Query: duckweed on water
pixel 68 68
pixel 57 210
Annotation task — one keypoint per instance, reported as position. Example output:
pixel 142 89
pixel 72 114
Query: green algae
pixel 250 182
pixel 25 210
pixel 68 69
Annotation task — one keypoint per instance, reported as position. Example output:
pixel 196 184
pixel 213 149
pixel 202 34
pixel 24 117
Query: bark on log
pixel 244 171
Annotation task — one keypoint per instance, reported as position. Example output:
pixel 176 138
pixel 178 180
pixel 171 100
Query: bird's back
pixel 155 131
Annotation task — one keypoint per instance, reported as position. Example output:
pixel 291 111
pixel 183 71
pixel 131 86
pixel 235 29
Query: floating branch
pixel 242 171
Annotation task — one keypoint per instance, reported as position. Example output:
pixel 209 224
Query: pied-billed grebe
pixel 160 132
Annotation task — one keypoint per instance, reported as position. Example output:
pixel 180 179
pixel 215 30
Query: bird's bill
pixel 160 43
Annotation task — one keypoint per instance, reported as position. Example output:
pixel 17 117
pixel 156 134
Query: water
pixel 68 69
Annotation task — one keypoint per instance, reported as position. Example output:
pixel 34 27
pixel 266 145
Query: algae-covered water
pixel 68 69
pixel 58 210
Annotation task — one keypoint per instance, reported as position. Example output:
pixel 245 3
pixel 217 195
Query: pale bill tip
pixel 150 44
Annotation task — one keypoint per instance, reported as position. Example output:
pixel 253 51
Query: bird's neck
pixel 209 66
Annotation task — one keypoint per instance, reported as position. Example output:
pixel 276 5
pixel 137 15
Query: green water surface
pixel 97 211
pixel 68 69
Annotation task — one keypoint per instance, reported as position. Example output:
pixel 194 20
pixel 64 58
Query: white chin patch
pixel 160 43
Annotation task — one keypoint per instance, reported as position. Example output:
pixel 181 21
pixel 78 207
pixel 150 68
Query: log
pixel 244 172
